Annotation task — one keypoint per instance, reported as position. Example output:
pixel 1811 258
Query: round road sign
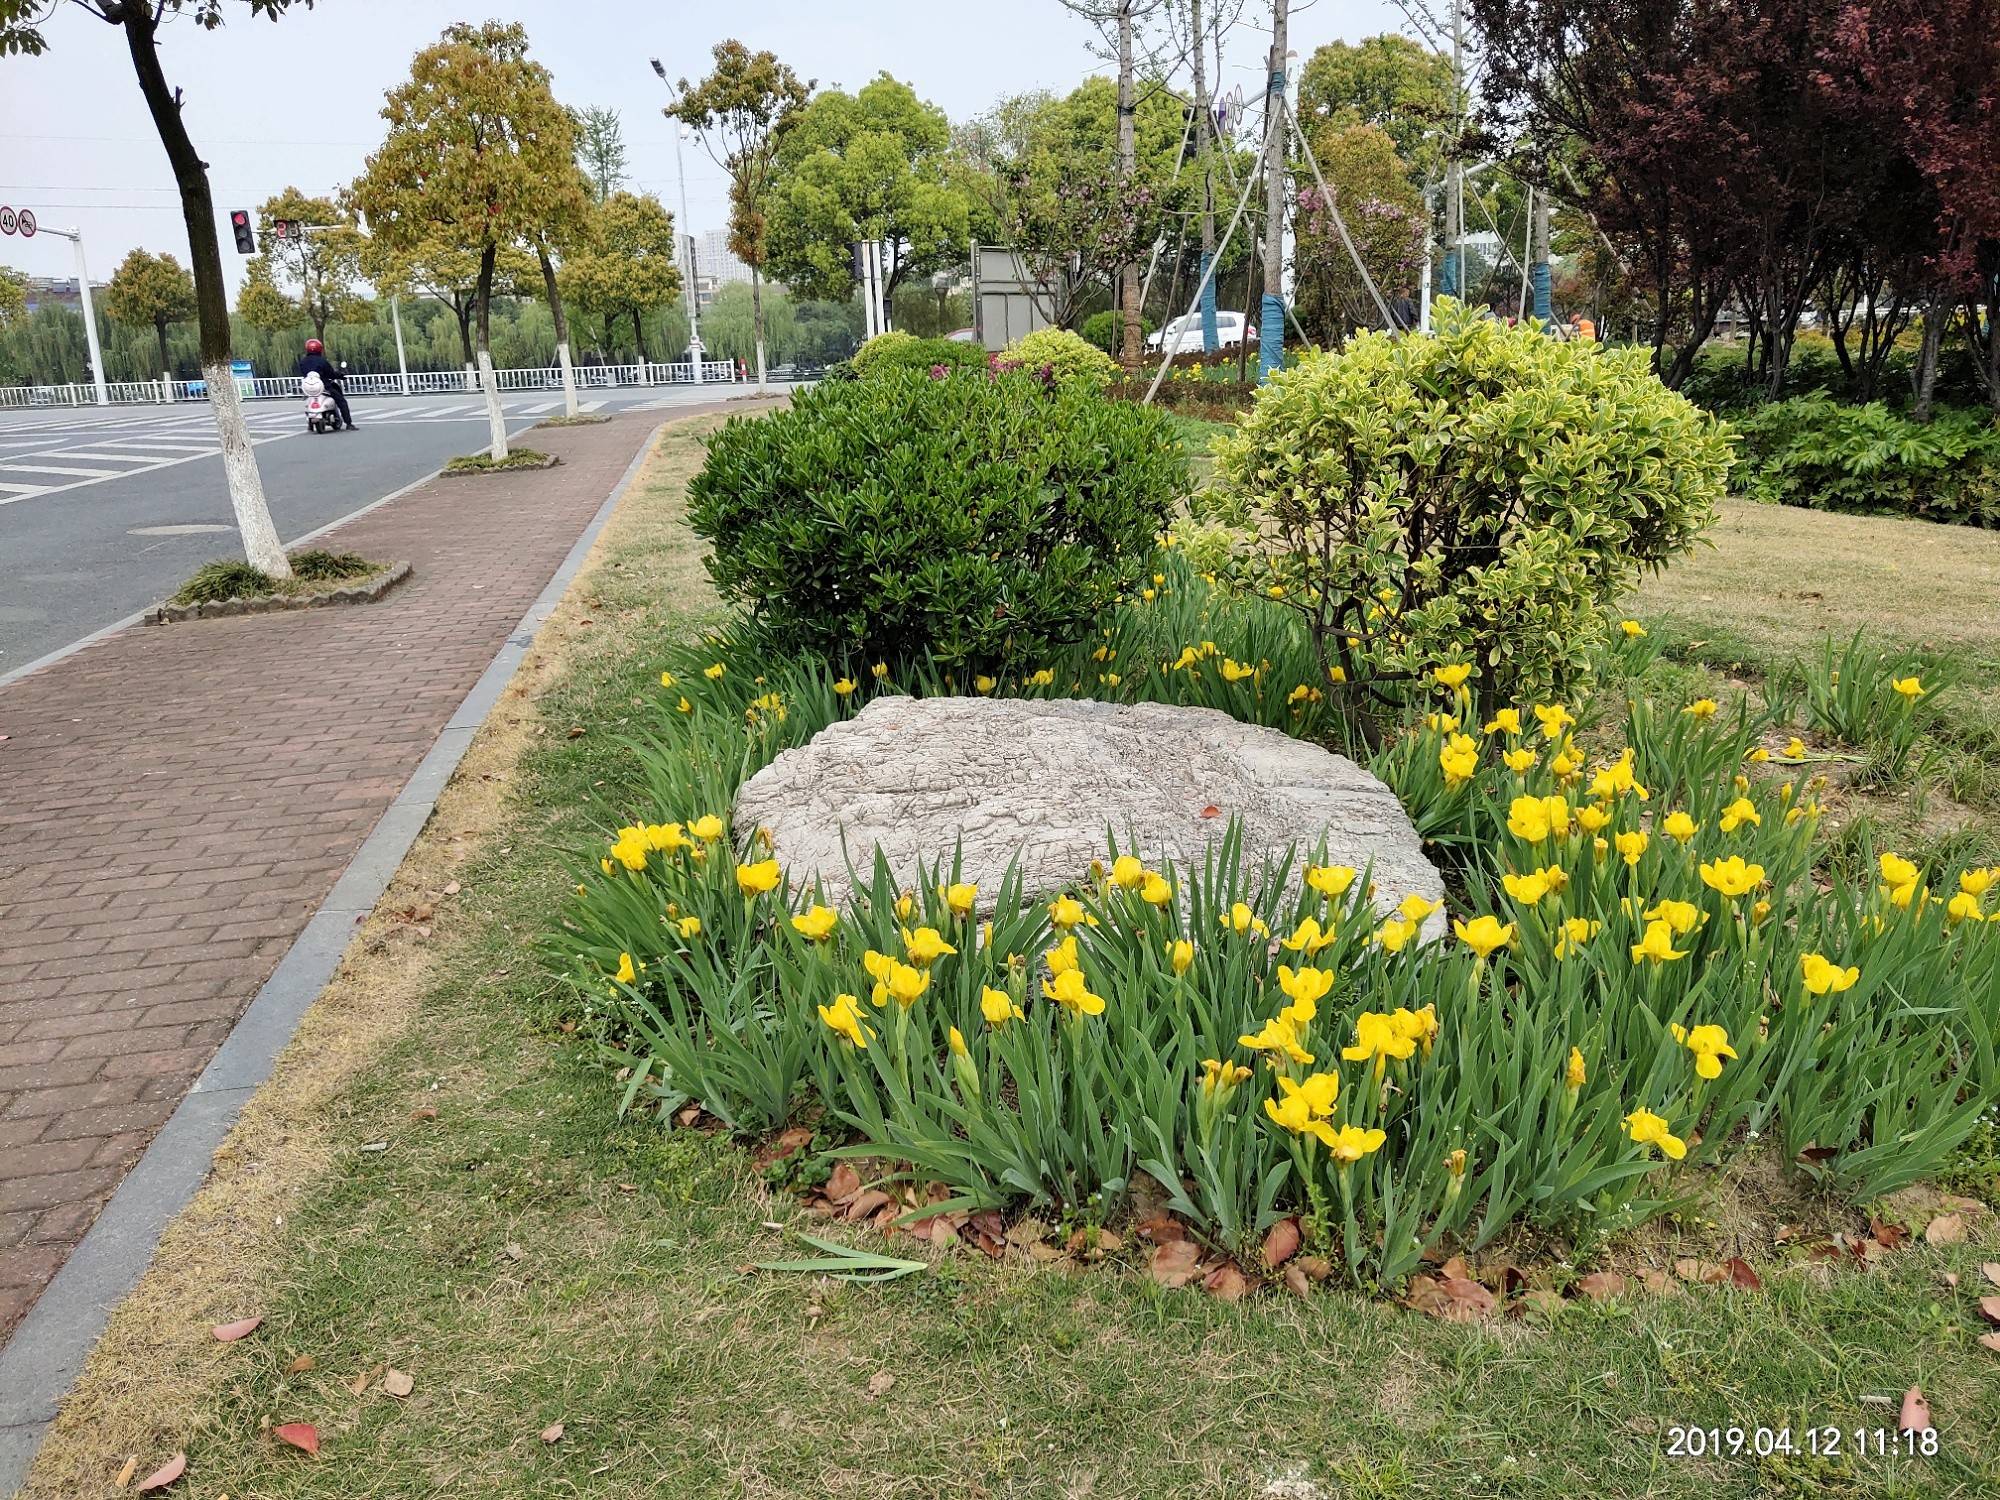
pixel 26 224
pixel 6 219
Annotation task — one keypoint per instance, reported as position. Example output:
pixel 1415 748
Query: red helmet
pixel 314 346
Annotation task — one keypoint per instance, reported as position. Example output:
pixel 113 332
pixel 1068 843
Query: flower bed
pixel 1646 975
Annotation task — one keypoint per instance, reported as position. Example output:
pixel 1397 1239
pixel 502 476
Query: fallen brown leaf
pixel 843 1184
pixel 452 888
pixel 1296 1282
pixel 1315 1267
pixel 300 1365
pixel 125 1474
pixel 1601 1286
pixel 1740 1275
pixel 879 1384
pixel 1990 1341
pixel 1916 1413
pixel 166 1474
pixel 1282 1243
pixel 552 1433
pixel 1226 1283
pixel 229 1333
pixel 397 1384
pixel 1989 1309
pixel 1176 1262
pixel 301 1435
pixel 1991 1271
pixel 865 1203
pixel 1945 1229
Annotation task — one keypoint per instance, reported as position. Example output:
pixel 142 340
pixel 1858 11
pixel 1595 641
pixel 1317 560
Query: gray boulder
pixel 1044 781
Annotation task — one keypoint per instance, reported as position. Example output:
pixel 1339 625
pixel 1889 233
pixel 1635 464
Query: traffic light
pixel 281 229
pixel 246 242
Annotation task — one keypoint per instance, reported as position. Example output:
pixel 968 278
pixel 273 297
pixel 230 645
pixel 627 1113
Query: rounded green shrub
pixel 976 520
pixel 1101 330
pixel 894 351
pixel 1064 357
pixel 1477 495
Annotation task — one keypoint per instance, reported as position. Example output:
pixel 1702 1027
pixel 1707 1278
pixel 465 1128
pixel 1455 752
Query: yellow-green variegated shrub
pixel 1479 494
pixel 1063 355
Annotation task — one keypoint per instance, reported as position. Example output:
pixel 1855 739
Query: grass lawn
pixel 436 1183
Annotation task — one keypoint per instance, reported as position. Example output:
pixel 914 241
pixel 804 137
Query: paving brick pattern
pixel 176 801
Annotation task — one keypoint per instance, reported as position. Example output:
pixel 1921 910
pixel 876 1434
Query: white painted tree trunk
pixel 471 378
pixel 496 419
pixel 239 468
pixel 568 380
pixel 760 367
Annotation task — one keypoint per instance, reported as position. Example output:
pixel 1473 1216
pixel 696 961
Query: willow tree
pixel 150 291
pixel 742 111
pixel 479 157
pixel 140 21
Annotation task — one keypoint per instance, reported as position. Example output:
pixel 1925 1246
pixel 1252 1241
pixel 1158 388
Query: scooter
pixel 321 414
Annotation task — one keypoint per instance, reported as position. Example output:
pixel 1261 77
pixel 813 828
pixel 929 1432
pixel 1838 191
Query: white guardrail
pixel 416 383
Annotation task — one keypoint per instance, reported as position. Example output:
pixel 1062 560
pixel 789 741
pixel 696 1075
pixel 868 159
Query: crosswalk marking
pixel 14 468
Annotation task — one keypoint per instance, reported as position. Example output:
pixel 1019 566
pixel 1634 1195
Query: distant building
pixel 55 291
pixel 715 263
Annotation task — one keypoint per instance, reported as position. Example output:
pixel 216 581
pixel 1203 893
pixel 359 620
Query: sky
pixel 295 102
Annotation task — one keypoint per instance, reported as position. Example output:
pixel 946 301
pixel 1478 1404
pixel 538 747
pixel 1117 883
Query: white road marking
pixel 14 468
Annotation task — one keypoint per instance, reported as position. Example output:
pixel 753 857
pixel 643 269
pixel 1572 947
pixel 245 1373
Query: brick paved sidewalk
pixel 176 801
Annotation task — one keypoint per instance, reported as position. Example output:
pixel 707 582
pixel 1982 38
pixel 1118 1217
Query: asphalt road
pixel 105 512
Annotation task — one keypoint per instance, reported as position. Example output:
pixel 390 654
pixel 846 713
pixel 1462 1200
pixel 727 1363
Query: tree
pixel 626 262
pixel 1385 215
pixel 872 165
pixel 140 20
pixel 478 157
pixel 1673 117
pixel 1927 73
pixel 600 150
pixel 743 111
pixel 1059 196
pixel 13 296
pixel 445 274
pixel 150 290
pixel 1392 82
pixel 317 270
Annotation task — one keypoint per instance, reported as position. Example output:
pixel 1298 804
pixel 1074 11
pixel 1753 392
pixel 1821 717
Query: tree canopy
pixel 150 291
pixel 1390 81
pixel 873 165
pixel 600 150
pixel 625 265
pixel 319 262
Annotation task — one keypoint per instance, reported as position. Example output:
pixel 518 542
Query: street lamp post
pixel 687 280
pixel 75 237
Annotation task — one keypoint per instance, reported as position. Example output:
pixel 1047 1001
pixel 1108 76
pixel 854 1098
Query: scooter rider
pixel 316 363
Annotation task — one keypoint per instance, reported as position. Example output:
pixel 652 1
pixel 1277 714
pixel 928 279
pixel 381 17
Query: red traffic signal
pixel 239 221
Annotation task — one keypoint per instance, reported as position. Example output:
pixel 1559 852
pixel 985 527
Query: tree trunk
pixel 561 317
pixel 239 459
pixel 1271 312
pixel 1203 125
pixel 1936 311
pixel 639 335
pixel 1128 162
pixel 166 366
pixel 496 419
pixel 757 320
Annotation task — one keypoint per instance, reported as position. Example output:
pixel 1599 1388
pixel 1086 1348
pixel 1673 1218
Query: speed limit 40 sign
pixel 22 223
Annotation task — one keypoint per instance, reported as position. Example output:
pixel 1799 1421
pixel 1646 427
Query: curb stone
pixel 166 613
pixel 41 1361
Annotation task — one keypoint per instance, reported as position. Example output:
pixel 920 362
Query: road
pixel 105 512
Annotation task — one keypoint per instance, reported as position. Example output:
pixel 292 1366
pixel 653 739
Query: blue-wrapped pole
pixel 1210 339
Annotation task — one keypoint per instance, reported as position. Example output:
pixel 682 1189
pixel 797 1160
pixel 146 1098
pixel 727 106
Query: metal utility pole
pixel 1271 312
pixel 1204 125
pixel 680 175
pixel 1128 165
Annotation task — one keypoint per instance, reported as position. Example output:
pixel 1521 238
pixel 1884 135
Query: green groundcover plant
pixel 1819 452
pixel 1641 971
pixel 975 520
